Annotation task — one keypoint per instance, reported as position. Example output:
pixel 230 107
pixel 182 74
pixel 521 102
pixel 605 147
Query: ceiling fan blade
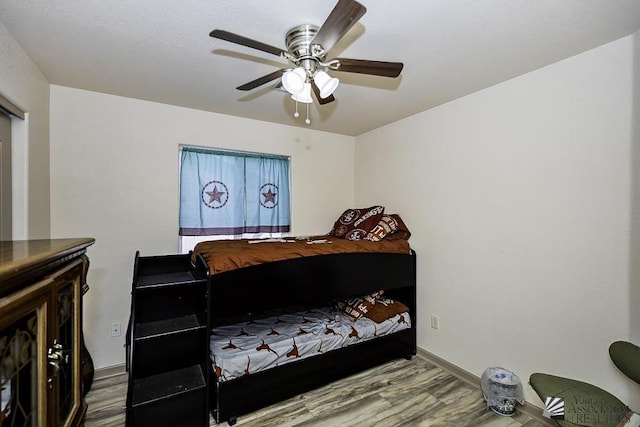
pixel 343 16
pixel 363 66
pixel 262 80
pixel 316 91
pixel 244 41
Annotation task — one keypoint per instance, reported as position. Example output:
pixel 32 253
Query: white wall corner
pixel 20 177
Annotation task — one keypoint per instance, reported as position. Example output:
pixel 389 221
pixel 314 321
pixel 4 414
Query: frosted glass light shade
pixel 293 80
pixel 326 84
pixel 303 95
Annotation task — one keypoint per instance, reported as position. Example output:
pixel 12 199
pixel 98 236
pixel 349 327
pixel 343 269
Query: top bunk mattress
pixel 227 255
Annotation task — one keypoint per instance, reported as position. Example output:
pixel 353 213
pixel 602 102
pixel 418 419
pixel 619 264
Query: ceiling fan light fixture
pixel 325 83
pixel 294 80
pixel 303 95
pixel 306 49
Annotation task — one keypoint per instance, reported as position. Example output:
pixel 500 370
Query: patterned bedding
pixel 252 346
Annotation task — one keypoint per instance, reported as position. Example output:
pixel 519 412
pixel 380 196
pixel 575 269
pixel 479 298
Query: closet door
pixel 23 356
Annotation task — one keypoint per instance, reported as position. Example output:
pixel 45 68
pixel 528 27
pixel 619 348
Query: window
pixel 232 195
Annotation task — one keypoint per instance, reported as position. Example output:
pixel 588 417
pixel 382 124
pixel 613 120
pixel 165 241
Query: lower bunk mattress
pixel 259 344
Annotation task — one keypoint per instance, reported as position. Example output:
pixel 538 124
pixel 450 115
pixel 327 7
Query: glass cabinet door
pixel 64 354
pixel 22 357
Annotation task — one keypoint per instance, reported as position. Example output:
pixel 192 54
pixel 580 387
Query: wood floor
pixel 400 393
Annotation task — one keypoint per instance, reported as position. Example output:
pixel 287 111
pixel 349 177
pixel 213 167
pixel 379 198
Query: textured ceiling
pixel 160 50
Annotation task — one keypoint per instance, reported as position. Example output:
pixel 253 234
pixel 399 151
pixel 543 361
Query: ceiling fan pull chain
pixel 308 121
pixel 296 114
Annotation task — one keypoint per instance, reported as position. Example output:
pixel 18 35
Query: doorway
pixel 5 177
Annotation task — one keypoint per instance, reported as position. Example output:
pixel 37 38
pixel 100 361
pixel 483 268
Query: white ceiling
pixel 160 50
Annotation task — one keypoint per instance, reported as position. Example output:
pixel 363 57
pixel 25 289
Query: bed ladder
pixel 167 343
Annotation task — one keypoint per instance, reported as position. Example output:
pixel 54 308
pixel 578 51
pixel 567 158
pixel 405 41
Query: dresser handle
pixel 55 356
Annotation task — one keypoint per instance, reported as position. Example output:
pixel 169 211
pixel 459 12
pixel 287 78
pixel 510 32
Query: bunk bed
pixel 356 299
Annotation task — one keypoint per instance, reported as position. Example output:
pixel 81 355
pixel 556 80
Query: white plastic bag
pixel 502 389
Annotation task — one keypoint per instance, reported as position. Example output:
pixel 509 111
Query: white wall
pixel 518 198
pixel 24 85
pixel 114 176
pixel 634 306
pixel 634 253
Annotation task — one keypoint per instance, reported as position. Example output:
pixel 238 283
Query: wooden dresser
pixel 41 285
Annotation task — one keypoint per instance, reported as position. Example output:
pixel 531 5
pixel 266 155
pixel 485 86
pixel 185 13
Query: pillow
pixel 384 309
pixel 402 233
pixel 356 307
pixel 354 224
pixel 385 226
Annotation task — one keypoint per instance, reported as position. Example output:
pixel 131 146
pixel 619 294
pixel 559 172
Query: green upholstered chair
pixel 626 357
pixel 575 403
pixel 584 404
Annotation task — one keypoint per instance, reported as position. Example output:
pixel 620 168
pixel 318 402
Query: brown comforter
pixel 226 255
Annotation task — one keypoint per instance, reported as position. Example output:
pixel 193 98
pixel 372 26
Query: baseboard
pixel 528 409
pixel 108 371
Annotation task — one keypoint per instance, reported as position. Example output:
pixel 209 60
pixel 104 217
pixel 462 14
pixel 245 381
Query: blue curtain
pixel 267 184
pixel 233 193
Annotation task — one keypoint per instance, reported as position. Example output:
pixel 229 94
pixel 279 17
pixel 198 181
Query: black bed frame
pixel 174 305
pixel 316 280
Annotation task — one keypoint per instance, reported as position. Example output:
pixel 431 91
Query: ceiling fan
pixel 307 48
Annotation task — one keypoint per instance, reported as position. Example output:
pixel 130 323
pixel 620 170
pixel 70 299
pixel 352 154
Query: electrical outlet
pixel 435 321
pixel 115 329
